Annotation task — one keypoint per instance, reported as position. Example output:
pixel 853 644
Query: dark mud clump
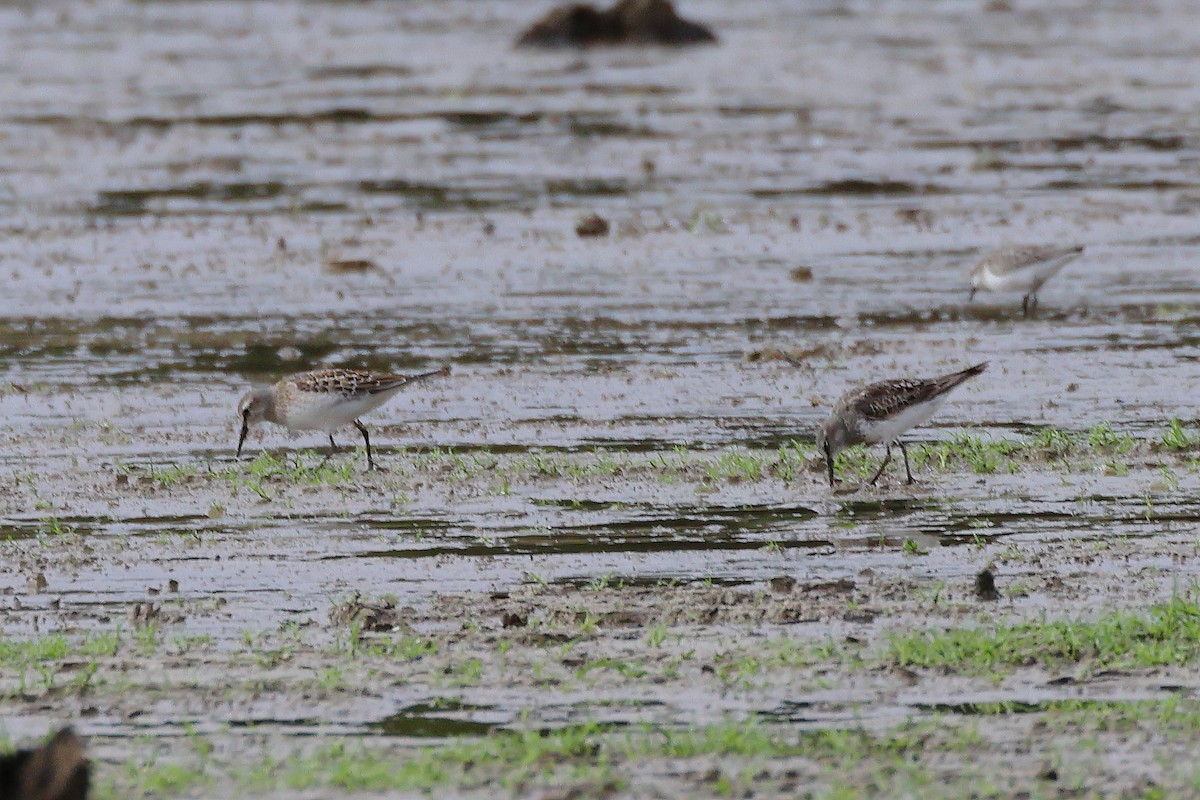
pixel 628 22
pixel 55 771
pixel 350 266
pixel 591 226
pixel 985 586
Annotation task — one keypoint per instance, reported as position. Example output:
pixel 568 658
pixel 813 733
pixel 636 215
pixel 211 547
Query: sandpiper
pixel 882 412
pixel 1024 268
pixel 324 400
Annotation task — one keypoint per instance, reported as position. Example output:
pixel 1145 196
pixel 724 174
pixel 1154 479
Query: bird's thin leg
pixel 907 470
pixel 1025 306
pixel 367 441
pixel 1033 304
pixel 886 458
pixel 333 448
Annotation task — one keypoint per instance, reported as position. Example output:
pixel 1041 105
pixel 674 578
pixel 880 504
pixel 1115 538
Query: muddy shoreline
pixel 603 561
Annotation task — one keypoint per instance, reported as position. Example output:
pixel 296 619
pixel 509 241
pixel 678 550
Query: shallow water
pixel 181 178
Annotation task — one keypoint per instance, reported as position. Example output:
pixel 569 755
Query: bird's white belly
pixel 890 429
pixel 1026 279
pixel 1021 280
pixel 311 411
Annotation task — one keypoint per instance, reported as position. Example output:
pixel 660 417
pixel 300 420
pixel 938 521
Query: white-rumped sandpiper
pixel 324 400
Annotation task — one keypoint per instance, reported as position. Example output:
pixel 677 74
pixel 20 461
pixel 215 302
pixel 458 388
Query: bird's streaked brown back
pixel 350 382
pixel 885 399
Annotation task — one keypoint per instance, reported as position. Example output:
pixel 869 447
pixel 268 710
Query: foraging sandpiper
pixel 882 412
pixel 1024 268
pixel 323 400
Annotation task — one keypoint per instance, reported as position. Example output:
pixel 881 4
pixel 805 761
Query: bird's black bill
pixel 242 437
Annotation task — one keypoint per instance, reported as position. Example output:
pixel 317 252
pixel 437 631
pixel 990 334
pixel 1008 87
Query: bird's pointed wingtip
pixel 440 372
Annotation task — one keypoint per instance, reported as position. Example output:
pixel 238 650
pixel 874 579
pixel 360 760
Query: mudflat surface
pixel 603 560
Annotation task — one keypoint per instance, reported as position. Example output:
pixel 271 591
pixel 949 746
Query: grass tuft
pixel 1176 438
pixel 1165 634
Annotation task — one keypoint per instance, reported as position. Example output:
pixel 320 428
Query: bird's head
pixel 831 440
pixel 257 405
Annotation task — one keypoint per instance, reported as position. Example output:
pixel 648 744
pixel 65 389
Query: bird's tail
pixel 396 381
pixel 947 382
pixel 1057 259
pixel 437 373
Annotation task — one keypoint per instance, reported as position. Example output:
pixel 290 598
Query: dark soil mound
pixel 628 22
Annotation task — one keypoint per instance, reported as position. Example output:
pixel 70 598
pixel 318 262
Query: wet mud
pixel 603 559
